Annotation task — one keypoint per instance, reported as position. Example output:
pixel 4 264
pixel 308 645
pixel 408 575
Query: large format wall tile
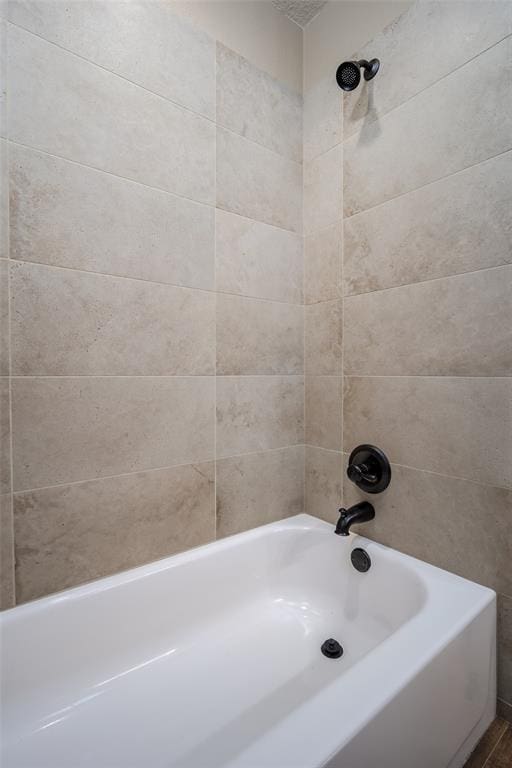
pixel 72 216
pixel 64 105
pixel 4 318
pixel 95 427
pixel 142 41
pixel 434 38
pixel 323 104
pixel 259 488
pixel 255 413
pixel 323 411
pixel 454 524
pixel 458 122
pixel 255 182
pixel 455 326
pixel 4 179
pixel 458 224
pixel 255 105
pixel 259 260
pixel 323 481
pixel 454 426
pixel 73 533
pixel 259 337
pixel 323 190
pixel 67 323
pixel 505 647
pixel 7 596
pixel 323 337
pixel 323 265
pixel 5 436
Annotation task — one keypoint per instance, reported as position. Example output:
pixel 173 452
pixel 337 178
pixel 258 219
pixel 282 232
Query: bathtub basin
pixel 212 658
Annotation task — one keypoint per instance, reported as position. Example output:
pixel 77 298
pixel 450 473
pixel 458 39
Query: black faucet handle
pixel 366 472
pixel 369 469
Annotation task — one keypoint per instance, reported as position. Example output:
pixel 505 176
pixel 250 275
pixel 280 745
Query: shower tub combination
pixel 212 658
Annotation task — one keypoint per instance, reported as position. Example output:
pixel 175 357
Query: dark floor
pixel 495 747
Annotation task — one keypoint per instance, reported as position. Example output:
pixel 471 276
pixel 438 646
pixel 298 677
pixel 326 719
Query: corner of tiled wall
pixel 259 283
pixel 323 210
pixel 156 288
pixel 7 596
pixel 427 290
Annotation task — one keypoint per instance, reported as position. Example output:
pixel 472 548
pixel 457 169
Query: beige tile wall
pixel 427 291
pixel 323 337
pixel 155 273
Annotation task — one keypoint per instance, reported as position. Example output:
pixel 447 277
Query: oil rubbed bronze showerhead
pixel 348 74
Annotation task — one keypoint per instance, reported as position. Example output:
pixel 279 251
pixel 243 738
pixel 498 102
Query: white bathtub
pixel 212 658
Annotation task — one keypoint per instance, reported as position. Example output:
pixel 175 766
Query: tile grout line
pixel 358 131
pixel 429 183
pixel 157 376
pixel 427 280
pixel 147 470
pixel 441 474
pixel 493 750
pixel 211 205
pixel 179 286
pixel 305 315
pixel 430 280
pixel 176 104
pixel 443 377
pixel 11 424
pixel 215 524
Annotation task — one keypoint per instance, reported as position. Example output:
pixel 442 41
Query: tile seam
pixel 164 468
pixel 358 131
pixel 428 183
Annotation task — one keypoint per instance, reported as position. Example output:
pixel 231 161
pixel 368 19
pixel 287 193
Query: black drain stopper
pixel 332 649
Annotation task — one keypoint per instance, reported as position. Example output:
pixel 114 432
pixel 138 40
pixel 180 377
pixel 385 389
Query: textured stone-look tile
pixel 95 427
pixel 66 106
pixel 255 413
pixel 72 216
pixel 486 745
pixel 4 184
pixel 4 318
pixel 505 647
pixel 434 38
pixel 454 524
pixel 142 41
pixel 323 117
pixel 458 122
pixel 6 553
pixel 73 533
pixel 255 105
pixel 455 326
pixel 323 483
pixel 458 224
pixel 323 332
pixel 259 488
pixel 323 190
pixel 323 411
pixel 454 426
pixel 5 436
pixel 68 323
pixel 502 755
pixel 323 265
pixel 259 337
pixel 3 76
pixel 255 259
pixel 255 182
pixel 504 710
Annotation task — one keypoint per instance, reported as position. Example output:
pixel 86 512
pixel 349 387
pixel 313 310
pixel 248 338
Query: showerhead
pixel 348 74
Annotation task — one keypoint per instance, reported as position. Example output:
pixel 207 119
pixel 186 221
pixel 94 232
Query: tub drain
pixel 332 649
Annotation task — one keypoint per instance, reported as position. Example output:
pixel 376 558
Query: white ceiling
pixel 300 11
